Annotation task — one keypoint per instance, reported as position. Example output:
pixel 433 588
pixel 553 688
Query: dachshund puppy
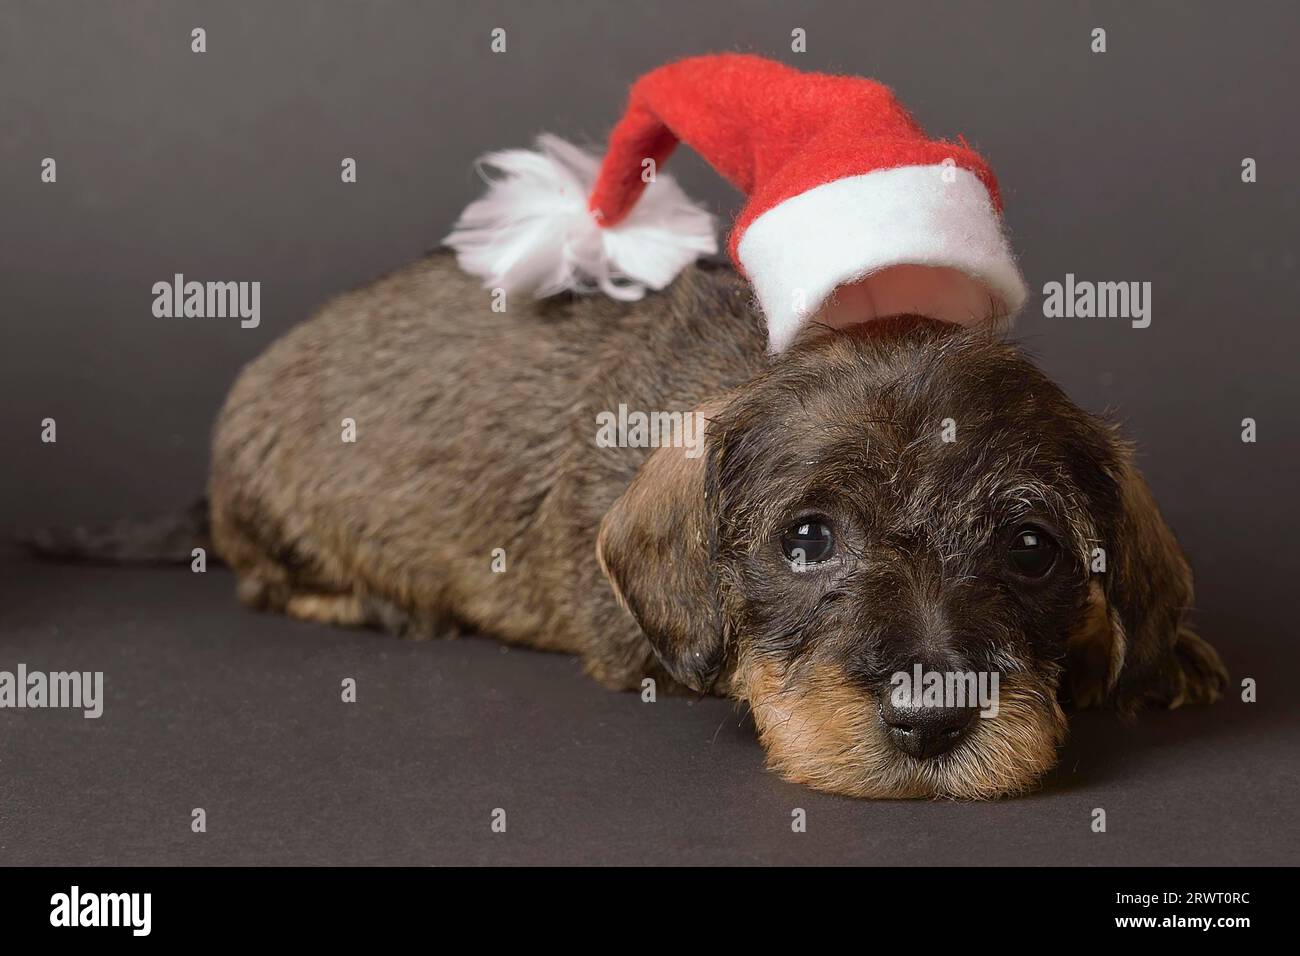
pixel 897 497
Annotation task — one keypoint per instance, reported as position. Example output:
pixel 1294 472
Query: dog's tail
pixel 164 539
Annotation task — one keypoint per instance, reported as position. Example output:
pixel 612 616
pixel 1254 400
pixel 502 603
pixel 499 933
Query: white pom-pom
pixel 532 232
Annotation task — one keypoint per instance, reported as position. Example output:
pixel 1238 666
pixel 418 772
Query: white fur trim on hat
pixel 797 253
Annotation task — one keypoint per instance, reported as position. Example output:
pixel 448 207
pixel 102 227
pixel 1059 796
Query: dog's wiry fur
pixel 475 430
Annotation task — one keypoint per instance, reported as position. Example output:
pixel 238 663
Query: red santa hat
pixel 852 211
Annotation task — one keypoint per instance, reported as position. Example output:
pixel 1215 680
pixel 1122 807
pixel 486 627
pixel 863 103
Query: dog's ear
pixel 656 547
pixel 1134 645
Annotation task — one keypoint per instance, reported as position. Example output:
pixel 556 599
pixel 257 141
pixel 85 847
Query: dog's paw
pixel 1198 676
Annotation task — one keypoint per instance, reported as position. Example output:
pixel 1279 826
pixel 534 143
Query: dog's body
pixel 893 496
pixel 475 431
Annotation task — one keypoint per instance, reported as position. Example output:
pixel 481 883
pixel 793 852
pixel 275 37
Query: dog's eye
pixel 1033 552
pixel 808 542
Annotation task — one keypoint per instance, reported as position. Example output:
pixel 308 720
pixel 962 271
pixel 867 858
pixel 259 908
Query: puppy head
pixel 904 498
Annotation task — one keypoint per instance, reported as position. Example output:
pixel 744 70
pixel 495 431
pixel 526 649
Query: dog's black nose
pixel 925 731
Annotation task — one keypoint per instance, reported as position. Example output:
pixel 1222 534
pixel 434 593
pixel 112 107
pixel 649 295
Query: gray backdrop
pixel 225 165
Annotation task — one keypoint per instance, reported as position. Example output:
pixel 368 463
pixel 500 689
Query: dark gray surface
pixel 211 706
pixel 1123 166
